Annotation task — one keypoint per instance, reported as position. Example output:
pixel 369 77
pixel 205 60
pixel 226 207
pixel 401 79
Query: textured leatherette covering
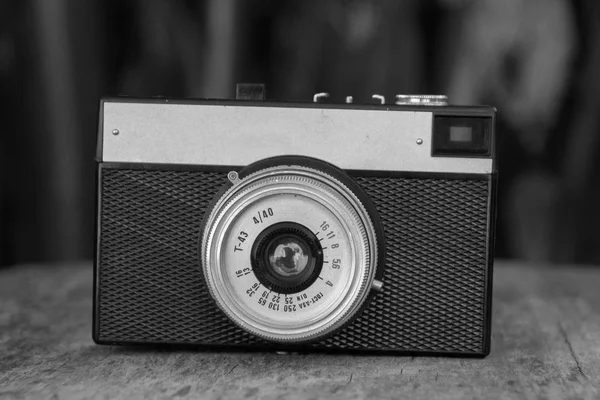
pixel 150 287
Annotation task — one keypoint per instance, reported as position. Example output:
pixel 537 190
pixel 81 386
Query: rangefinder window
pixel 461 136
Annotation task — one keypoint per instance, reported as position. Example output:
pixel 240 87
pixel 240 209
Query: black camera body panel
pixel 439 229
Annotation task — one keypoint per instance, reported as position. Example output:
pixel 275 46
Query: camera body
pixel 295 226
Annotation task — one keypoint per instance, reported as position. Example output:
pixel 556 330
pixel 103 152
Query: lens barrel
pixel 289 252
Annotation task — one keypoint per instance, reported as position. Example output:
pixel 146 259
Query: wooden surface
pixel 546 344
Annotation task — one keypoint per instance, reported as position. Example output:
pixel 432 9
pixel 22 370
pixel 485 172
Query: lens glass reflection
pixel 288 256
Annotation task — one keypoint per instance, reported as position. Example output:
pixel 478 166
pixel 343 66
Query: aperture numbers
pixel 243 272
pixel 253 289
pixel 262 300
pixel 289 305
pixel 274 302
pixel 330 234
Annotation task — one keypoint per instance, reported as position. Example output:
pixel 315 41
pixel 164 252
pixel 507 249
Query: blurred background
pixel 537 61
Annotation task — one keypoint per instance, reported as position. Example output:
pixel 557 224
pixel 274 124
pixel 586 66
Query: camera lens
pixel 289 251
pixel 287 257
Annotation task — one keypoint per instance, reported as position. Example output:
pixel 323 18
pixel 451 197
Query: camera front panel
pixel 438 229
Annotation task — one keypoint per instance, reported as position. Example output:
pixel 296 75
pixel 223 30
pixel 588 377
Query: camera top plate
pixel 375 137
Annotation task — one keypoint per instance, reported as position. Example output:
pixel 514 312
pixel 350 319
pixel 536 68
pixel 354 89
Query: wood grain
pixel 546 344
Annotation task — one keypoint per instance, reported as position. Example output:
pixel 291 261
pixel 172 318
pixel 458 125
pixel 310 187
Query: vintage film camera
pixel 295 226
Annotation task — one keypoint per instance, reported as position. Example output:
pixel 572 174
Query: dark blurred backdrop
pixel 535 60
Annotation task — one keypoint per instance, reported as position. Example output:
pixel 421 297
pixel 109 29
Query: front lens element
pixel 287 257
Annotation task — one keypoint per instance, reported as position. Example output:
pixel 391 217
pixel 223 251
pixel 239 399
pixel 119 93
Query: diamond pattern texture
pixel 151 287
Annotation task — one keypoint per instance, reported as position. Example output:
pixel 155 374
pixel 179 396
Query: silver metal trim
pixel 377 140
pixel 422 99
pixel 337 198
pixel 379 97
pixel 377 285
pixel 319 96
pixel 233 176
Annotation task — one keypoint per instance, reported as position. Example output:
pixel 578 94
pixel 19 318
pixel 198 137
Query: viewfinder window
pixel 461 136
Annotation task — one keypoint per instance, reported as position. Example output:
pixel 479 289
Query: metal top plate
pixel 229 134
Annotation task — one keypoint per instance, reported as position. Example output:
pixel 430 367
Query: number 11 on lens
pixel 324 226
